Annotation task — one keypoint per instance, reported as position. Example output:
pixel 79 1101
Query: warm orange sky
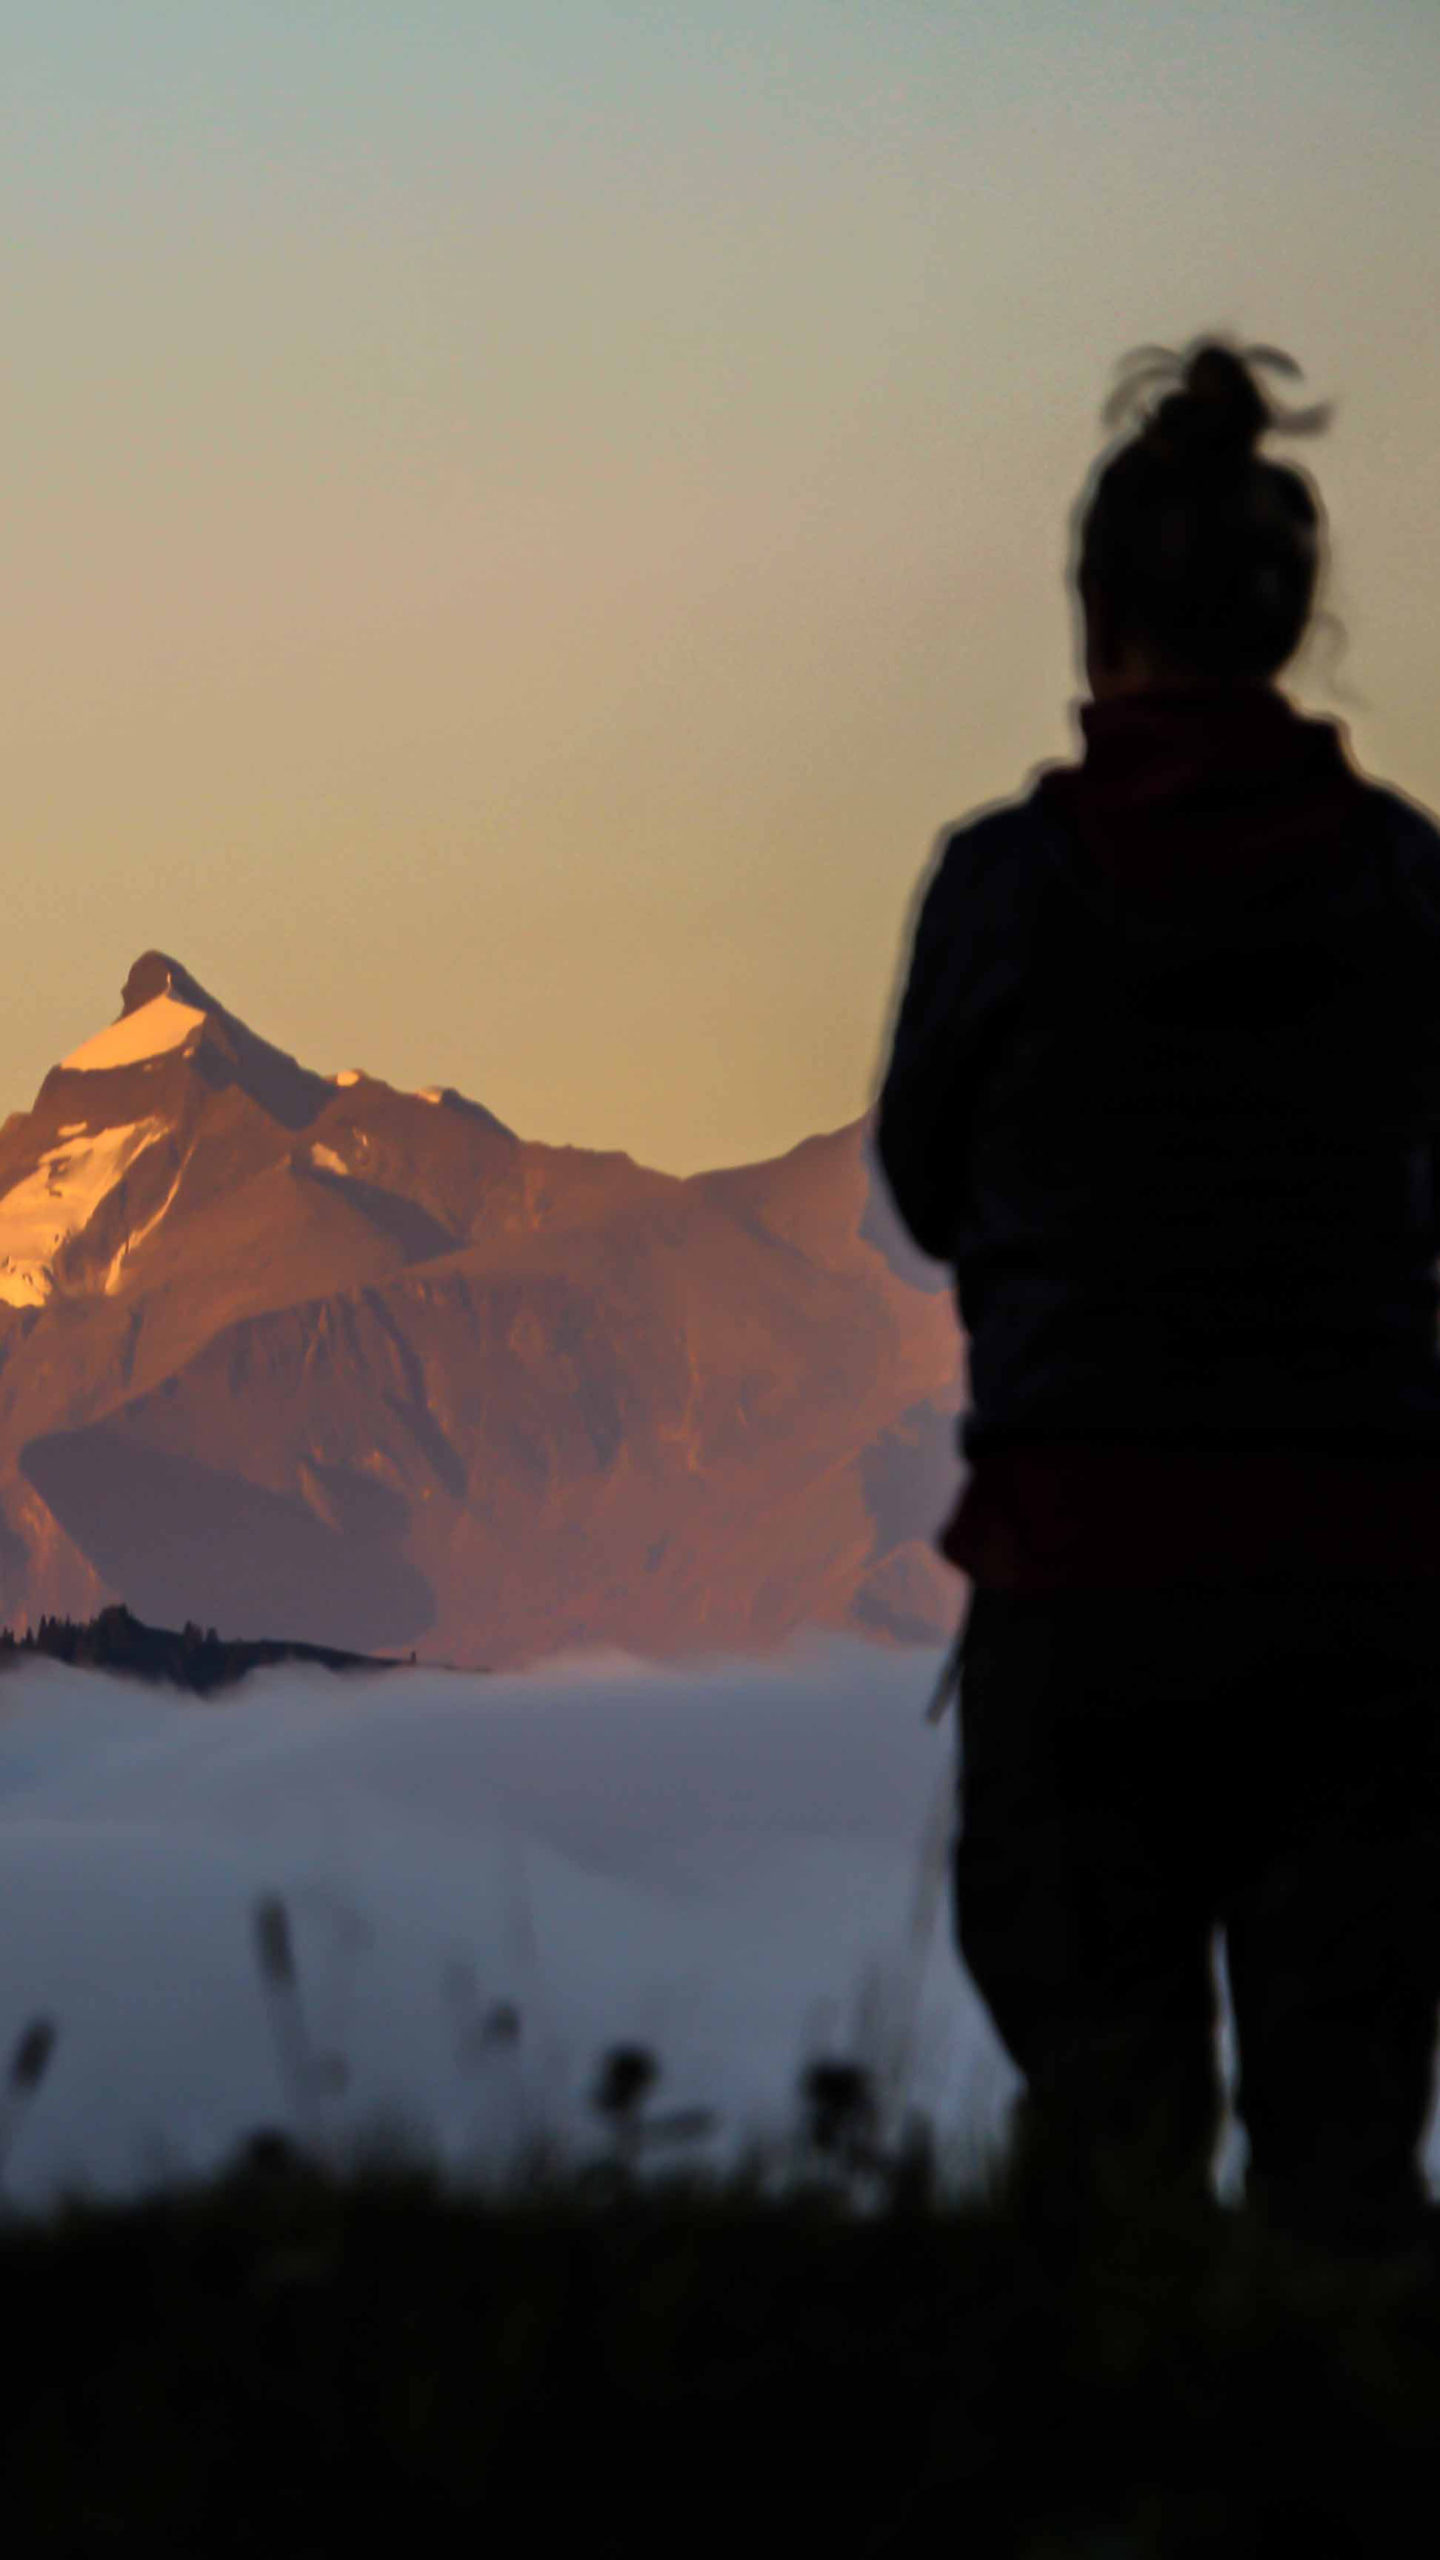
pixel 522 521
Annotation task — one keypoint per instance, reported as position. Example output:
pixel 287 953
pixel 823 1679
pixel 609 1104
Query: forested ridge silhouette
pixel 191 1657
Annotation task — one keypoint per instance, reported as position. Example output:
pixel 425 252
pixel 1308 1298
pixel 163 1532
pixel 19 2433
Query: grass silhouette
pixel 829 2348
pixel 289 2358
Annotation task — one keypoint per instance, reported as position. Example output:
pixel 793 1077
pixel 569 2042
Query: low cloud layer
pixel 720 1863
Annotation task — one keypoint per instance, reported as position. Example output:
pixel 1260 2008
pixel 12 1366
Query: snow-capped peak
pixel 149 1032
pixel 167 1016
pixel 161 1005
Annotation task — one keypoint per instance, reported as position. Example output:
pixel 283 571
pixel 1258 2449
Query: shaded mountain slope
pixel 367 1370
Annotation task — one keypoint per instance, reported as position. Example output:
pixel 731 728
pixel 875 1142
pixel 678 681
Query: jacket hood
pixel 1205 778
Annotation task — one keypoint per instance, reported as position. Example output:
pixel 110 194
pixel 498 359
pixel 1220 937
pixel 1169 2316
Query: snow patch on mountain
pixel 39 1216
pixel 327 1159
pixel 119 1262
pixel 150 1031
pixel 348 1075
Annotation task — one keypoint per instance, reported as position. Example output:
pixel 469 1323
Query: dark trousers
pixel 1139 1770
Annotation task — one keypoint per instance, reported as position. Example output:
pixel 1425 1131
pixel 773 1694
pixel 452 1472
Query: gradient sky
pixel 523 519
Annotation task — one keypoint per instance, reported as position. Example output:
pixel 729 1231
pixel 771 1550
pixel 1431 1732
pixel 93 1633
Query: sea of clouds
pixel 725 1864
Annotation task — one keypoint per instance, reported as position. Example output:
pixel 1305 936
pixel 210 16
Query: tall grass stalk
pixel 308 2077
pixel 29 2063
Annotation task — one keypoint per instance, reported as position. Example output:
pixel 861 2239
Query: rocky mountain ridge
pixel 366 1369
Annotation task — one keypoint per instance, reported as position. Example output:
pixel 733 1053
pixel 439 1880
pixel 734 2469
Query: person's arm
pixel 1416 850
pixel 966 963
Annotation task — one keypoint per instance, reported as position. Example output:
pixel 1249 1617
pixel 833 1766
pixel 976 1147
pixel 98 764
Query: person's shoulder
pixel 1411 818
pixel 994 845
pixel 999 825
pixel 1414 837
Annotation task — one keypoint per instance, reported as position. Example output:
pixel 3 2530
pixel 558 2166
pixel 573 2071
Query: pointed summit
pixel 161 1007
pixel 166 1015
pixel 156 974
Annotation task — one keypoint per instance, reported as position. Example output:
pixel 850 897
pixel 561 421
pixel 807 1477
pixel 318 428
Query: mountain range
pixel 303 1355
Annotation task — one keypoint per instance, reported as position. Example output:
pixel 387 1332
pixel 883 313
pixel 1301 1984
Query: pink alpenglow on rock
pixel 302 1355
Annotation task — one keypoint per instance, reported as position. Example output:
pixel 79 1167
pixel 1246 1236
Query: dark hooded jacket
pixel 1164 1091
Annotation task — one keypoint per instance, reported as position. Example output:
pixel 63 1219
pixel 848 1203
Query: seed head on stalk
pixel 29 2063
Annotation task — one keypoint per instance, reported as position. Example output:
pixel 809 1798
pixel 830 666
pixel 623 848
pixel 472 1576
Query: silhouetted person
pixel 1164 1090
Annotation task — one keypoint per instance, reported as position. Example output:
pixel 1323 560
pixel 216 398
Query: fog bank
pixel 716 1863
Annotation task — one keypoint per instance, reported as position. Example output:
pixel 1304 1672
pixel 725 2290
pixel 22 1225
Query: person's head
pixel 1197 557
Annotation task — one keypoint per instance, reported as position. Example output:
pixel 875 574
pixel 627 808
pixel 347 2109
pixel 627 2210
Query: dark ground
pixel 284 2363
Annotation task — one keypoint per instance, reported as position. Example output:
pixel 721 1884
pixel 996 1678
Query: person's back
pixel 1164 1089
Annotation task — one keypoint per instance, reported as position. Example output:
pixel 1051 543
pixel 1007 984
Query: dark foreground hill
pixel 192 1658
pixel 292 2364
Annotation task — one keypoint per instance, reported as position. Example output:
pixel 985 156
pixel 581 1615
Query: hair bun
pixel 1219 412
pixel 1192 545
pixel 1213 399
